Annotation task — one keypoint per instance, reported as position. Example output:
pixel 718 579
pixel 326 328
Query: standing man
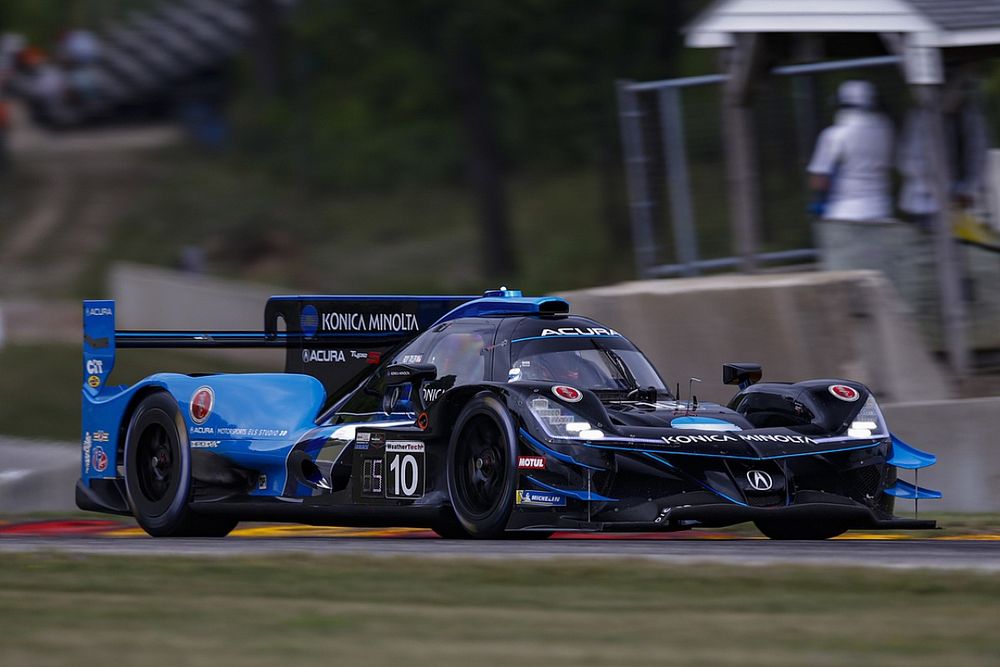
pixel 853 157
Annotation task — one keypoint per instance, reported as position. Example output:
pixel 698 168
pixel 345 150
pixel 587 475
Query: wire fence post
pixel 641 205
pixel 679 187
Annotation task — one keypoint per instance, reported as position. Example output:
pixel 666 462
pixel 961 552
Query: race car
pixel 477 417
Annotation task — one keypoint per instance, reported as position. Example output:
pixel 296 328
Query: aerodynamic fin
pixel 906 456
pixel 98 344
pixel 909 491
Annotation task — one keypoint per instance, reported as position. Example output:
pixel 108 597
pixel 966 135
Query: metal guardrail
pixel 642 206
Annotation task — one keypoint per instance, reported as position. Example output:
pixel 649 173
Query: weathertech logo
pixel 201 404
pixel 530 463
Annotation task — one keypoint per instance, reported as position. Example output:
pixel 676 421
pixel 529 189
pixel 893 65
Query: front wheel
pixel 481 476
pixel 786 530
pixel 158 473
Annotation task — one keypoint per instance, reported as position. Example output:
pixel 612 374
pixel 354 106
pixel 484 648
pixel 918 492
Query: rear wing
pixel 337 339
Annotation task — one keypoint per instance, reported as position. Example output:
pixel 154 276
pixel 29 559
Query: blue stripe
pixel 733 456
pixel 697 481
pixel 579 495
pixel 518 340
pixel 565 458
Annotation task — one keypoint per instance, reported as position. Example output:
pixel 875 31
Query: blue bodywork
pixel 278 429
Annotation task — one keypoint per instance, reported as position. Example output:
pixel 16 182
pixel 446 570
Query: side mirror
pixel 415 373
pixel 742 374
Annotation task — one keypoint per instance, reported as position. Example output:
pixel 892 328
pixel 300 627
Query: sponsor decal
pixel 370 322
pixel 412 358
pixel 742 437
pixel 759 480
pixel 101 436
pixel 204 444
pixel 94 382
pixel 251 432
pixel 201 404
pixel 407 446
pixel 374 357
pixel 87 443
pixel 96 343
pixel 531 463
pixel 323 356
pixel 262 483
pixel 202 430
pixel 309 321
pixel 98 312
pixel 391 400
pixel 540 498
pixel 404 465
pixel 364 437
pixel 99 459
pixel 567 393
pixel 95 367
pixel 429 394
pixel 844 393
pixel 578 331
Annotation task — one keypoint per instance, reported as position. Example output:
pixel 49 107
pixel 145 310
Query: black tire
pixel 451 531
pixel 785 530
pixel 158 473
pixel 481 476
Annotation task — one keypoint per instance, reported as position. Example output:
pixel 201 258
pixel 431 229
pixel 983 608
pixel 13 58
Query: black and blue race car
pixel 484 417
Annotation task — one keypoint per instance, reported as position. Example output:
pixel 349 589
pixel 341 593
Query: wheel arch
pixel 133 404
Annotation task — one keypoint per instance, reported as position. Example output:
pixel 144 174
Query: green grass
pixel 40 394
pixel 84 610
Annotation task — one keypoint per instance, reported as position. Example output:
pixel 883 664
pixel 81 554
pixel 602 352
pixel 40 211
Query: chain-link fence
pixel 672 135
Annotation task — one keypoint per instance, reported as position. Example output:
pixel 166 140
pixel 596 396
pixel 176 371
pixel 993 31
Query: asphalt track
pixel 979 553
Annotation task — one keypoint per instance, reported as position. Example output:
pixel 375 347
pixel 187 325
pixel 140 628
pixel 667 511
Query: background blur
pixel 189 158
pixel 341 146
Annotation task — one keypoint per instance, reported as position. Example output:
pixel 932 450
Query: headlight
pixel 868 423
pixel 558 422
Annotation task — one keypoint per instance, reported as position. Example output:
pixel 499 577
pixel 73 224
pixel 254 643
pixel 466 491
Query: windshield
pixel 596 363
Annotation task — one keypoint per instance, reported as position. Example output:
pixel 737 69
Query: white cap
pixel 858 94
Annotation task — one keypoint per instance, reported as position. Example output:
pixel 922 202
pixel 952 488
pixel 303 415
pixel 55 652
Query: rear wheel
pixel 158 473
pixel 785 530
pixel 481 475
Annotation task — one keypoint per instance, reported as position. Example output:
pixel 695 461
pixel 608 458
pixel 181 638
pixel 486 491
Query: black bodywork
pixel 583 456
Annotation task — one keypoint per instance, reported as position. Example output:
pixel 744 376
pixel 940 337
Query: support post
pixel 678 184
pixel 641 205
pixel 741 160
pixel 952 304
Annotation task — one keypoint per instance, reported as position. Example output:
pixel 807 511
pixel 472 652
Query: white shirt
pixel 856 152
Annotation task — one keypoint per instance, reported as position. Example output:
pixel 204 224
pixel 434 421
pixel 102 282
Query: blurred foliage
pixel 368 97
pixel 42 21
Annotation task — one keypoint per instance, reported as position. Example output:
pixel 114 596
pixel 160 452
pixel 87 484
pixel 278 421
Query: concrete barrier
pixel 802 325
pixel 905 255
pixel 963 434
pixel 149 297
pixel 37 476
pixel 154 298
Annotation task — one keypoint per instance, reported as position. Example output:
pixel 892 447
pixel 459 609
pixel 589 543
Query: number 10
pixel 405 474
